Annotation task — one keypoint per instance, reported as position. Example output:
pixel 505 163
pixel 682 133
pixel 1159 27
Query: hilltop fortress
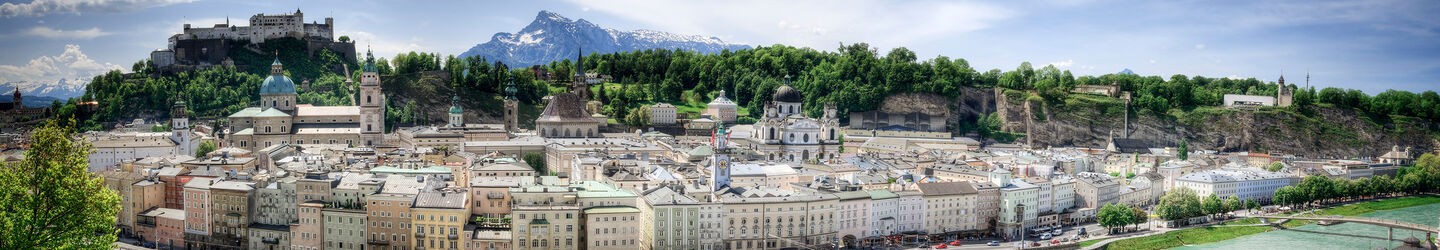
pixel 198 47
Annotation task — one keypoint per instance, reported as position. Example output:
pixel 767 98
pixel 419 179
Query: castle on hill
pixel 202 47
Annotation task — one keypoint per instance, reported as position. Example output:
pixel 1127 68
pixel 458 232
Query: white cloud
pixel 51 33
pixel 810 23
pixel 71 68
pixel 1152 61
pixel 37 8
pixel 1200 46
pixel 1064 64
pixel 1235 77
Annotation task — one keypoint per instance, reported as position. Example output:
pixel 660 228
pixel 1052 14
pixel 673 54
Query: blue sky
pixel 1372 45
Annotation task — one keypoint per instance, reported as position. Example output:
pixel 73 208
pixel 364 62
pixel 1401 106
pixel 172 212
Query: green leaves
pixel 50 201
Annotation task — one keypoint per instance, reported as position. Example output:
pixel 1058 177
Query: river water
pixel 1342 236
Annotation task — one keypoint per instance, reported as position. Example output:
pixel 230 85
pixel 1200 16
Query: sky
pixel 1371 45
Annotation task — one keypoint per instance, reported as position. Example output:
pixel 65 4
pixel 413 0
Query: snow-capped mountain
pixel 61 89
pixel 552 37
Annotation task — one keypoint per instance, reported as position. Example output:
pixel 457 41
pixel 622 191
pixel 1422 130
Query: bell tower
pixel 180 127
pixel 512 107
pixel 372 103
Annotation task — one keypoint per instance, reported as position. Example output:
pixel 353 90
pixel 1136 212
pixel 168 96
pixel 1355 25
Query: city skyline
pixel 1366 45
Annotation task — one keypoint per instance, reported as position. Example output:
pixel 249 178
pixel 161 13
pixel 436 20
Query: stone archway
pixel 847 241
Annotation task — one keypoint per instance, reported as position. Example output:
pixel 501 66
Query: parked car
pixel 956 243
pixel 993 243
pixel 1064 239
pixel 1054 242
pixel 1058 231
pixel 941 246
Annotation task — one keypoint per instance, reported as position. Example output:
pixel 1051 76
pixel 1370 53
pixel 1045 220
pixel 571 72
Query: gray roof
pixel 440 199
pixel 664 195
pixel 946 188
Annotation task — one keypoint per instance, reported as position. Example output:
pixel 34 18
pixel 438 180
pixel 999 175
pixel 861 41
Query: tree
pixel 1179 203
pixel 1184 151
pixel 1252 205
pixel 1114 215
pixel 1138 216
pixel 536 161
pixel 344 39
pixel 1233 203
pixel 50 201
pixel 1275 167
pixel 1213 205
pixel 204 149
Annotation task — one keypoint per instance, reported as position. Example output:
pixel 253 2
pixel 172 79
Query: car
pixel 993 243
pixel 924 246
pixel 1076 237
pixel 1058 231
pixel 956 243
pixel 1064 239
pixel 1055 242
pixel 1035 244
pixel 941 246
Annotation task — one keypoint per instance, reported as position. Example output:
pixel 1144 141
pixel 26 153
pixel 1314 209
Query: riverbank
pixel 1215 233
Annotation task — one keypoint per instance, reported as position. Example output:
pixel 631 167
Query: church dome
pixel 277 84
pixel 455 105
pixel 785 93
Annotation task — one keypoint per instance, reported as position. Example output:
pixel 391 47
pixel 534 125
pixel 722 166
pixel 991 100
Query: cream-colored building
pixel 439 217
pixel 769 218
pixel 612 227
pixel 673 220
pixel 949 207
pixel 722 109
pixel 546 216
pixel 281 120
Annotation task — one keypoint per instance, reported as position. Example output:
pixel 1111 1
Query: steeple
pixel 276 68
pixel 510 90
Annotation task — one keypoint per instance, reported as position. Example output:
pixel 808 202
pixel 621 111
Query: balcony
pixel 268 240
pixel 377 242
pixel 453 236
pixel 419 235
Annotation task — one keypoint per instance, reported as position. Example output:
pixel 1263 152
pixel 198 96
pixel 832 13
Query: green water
pixel 1355 236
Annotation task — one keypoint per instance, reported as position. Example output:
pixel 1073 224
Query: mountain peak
pixel 553 37
pixel 546 15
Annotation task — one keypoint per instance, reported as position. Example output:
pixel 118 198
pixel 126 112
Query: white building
pixel 884 213
pixel 662 114
pixel 912 211
pixel 677 221
pixel 112 149
pixel 1019 204
pixel 1062 193
pixel 1246 184
pixel 785 134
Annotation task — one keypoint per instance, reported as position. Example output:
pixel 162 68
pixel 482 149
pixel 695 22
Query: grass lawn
pixel 1202 235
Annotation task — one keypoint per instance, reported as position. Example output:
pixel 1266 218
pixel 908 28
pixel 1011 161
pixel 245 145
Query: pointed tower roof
pixel 580 60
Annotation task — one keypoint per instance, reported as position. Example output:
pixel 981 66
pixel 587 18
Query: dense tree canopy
pixel 50 201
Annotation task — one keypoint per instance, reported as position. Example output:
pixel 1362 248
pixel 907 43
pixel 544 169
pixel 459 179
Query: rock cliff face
pixel 1087 121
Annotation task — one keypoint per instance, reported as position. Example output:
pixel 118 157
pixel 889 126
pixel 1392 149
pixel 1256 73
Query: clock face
pixel 724 164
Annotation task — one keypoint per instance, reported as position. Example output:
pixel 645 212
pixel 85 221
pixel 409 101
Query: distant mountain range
pixel 42 93
pixel 552 37
pixel 1126 71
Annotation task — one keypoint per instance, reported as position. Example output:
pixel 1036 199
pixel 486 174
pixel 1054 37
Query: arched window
pixel 772 133
pixel 267 129
pixel 367 99
pixel 274 103
pixel 832 134
pixel 806 137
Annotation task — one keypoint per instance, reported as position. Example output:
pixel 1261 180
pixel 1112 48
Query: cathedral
pixel 280 120
pixel 785 134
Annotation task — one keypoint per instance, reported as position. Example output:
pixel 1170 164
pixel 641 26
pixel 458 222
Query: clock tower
pixel 720 161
